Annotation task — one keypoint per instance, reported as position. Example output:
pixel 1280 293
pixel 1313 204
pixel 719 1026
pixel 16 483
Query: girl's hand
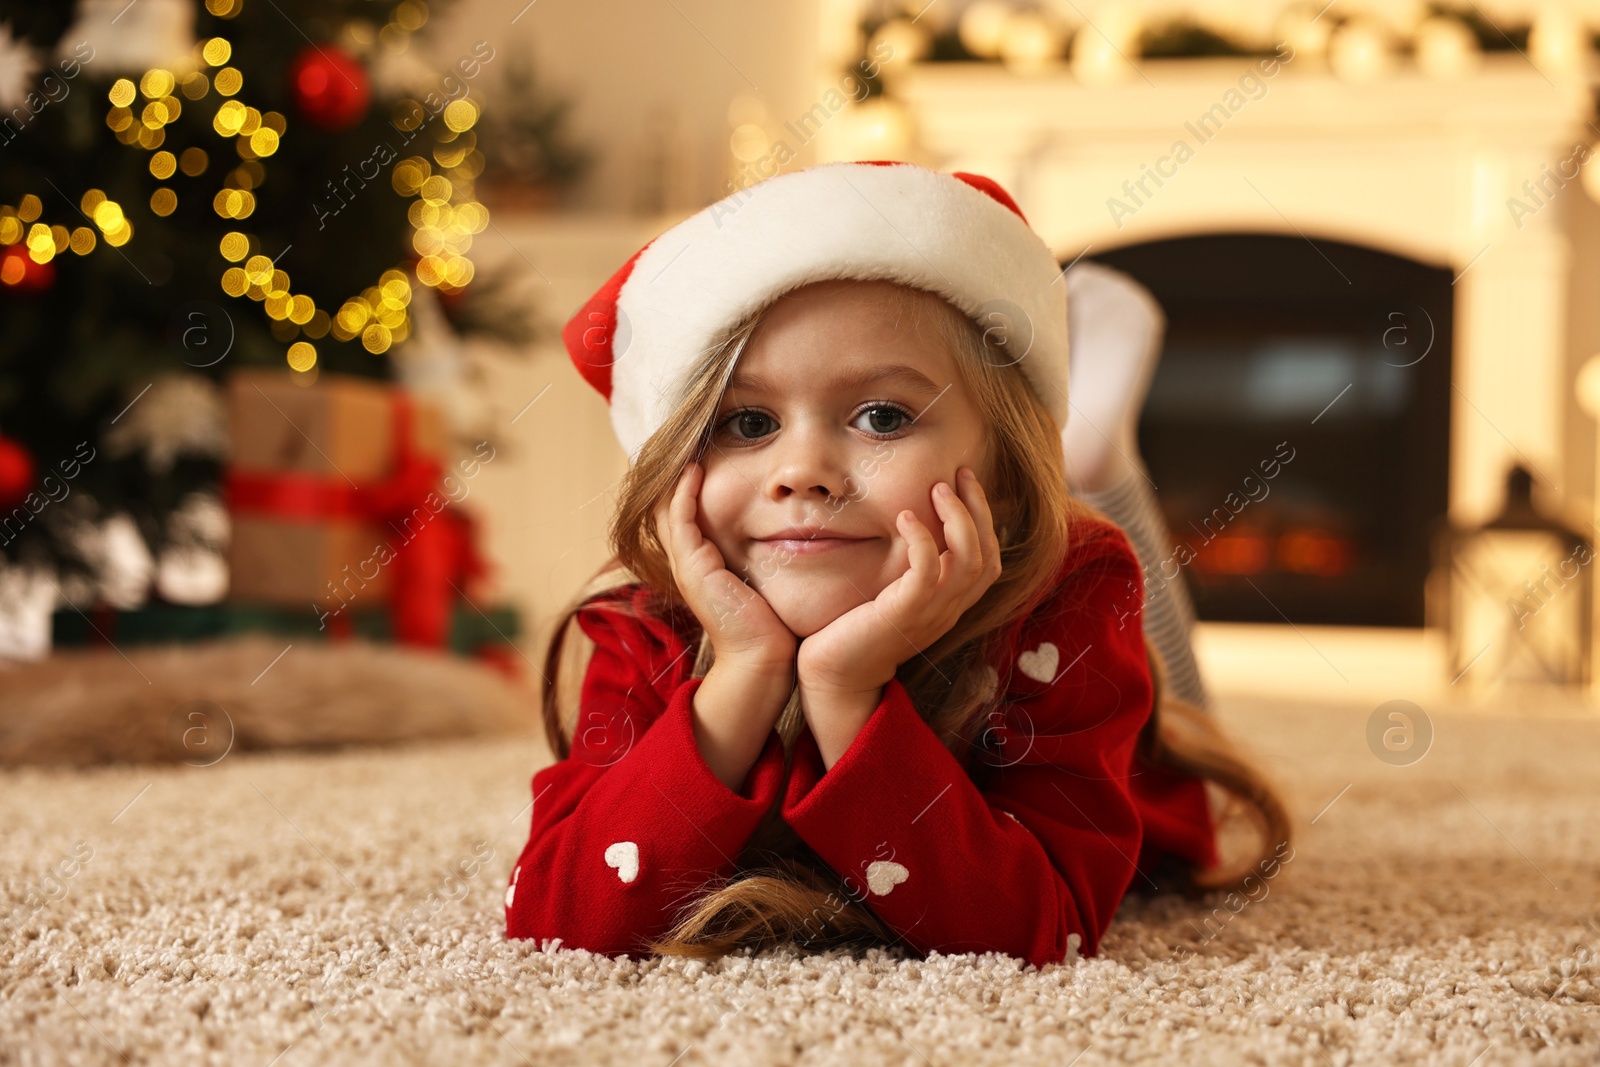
pixel 861 649
pixel 742 625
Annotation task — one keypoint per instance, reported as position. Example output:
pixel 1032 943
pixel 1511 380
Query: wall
pixel 646 75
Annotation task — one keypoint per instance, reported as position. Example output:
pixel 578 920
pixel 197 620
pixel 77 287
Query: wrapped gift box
pixel 333 490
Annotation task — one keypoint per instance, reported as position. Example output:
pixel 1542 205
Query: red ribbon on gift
pixel 430 552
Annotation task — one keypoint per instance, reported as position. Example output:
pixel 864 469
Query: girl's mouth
pixel 813 545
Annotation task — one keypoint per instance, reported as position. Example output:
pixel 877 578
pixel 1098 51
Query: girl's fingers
pixel 677 525
pixel 679 496
pixel 978 504
pixel 685 506
pixel 666 520
pixel 923 552
pixel 960 532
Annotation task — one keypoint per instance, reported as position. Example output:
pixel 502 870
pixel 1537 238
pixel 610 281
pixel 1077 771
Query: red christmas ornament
pixel 16 473
pixel 329 87
pixel 19 273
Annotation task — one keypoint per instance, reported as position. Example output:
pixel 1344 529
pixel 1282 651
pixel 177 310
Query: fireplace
pixel 1297 428
pixel 1294 252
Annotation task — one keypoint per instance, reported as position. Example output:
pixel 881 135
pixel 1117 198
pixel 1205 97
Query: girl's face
pixel 837 418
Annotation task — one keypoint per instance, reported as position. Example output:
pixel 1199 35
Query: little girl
pixel 862 671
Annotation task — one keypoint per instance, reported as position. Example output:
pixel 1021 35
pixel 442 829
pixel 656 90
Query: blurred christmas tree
pixel 188 189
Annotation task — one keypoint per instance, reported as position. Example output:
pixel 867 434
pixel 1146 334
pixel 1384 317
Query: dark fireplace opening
pixel 1297 428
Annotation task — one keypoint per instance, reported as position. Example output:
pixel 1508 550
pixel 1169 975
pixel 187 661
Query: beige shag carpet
pixel 328 908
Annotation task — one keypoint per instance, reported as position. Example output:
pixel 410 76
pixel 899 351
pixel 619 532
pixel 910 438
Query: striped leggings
pixel 1168 614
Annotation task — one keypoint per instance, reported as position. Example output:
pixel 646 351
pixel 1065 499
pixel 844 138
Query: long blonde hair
pixel 781 890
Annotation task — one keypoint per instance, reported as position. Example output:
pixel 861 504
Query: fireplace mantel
pixel 1411 165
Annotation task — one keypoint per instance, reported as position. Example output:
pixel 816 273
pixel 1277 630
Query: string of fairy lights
pixel 444 213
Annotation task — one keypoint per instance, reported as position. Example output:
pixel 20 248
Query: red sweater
pixel 631 825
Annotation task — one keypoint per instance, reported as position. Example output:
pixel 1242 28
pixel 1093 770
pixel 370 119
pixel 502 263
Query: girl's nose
pixel 808 462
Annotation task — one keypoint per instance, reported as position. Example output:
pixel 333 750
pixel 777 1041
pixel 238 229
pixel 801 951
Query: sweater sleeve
pixel 633 822
pixel 1035 864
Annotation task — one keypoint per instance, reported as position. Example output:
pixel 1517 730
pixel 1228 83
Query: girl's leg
pixel 1115 328
pixel 1168 613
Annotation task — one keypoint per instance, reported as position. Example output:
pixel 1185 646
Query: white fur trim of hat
pixel 958 235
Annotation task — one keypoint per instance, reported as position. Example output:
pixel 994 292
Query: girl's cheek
pixel 716 507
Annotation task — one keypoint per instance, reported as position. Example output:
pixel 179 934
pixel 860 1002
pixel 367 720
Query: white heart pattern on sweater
pixel 624 856
pixel 1041 663
pixel 884 875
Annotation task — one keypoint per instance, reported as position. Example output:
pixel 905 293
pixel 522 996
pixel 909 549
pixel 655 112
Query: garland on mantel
pixel 1445 39
pixel 1050 37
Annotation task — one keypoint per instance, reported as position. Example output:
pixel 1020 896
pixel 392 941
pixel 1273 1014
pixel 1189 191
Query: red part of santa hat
pixel 958 235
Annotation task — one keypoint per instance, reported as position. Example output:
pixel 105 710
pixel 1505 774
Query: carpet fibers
pixel 293 909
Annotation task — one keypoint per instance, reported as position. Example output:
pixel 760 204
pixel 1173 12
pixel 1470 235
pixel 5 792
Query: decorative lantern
pixel 1516 596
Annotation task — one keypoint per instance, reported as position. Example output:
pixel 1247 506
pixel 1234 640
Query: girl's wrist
pixel 779 644
pixel 837 691
pixel 764 663
pixel 836 718
pixel 733 714
pixel 850 685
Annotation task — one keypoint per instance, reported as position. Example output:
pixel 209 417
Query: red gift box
pixel 334 492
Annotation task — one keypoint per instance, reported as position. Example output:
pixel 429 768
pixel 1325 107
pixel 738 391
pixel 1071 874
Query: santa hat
pixel 958 235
